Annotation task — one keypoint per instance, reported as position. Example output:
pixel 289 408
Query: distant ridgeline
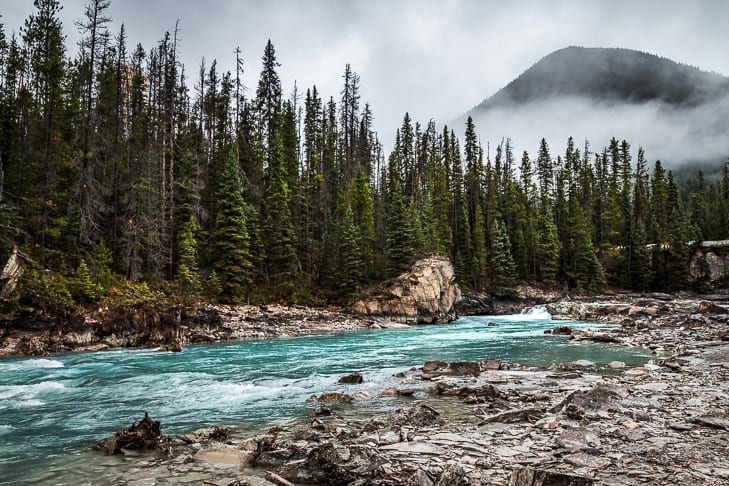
pixel 611 74
pixel 676 112
pixel 127 182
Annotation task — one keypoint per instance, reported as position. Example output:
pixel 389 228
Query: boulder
pixel 353 379
pixel 491 364
pixel 175 346
pixel 474 305
pixel 432 369
pixel 427 293
pixel 578 439
pixel 711 308
pixel 709 267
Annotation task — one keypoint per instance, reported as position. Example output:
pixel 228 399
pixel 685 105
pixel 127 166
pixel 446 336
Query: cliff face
pixel 426 294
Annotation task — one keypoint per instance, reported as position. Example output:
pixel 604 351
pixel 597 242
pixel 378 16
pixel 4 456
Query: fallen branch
pixel 278 480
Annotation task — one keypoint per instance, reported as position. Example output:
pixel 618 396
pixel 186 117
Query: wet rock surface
pixel 663 423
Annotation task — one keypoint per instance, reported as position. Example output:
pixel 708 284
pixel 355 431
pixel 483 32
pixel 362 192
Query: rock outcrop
pixel 710 267
pixel 426 294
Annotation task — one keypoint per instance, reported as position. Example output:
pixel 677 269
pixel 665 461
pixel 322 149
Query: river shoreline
pixel 663 423
pixel 148 327
pixel 498 423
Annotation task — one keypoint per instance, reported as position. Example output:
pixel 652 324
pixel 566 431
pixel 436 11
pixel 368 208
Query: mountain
pixel 677 113
pixel 611 75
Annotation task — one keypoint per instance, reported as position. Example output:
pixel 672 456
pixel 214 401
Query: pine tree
pixel 401 231
pixel 351 267
pixel 547 247
pixel 230 243
pixel 187 269
pixel 280 236
pixel 479 270
pixel 268 99
pixel 502 267
pixel 589 277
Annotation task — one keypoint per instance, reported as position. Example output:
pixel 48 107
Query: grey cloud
pixel 435 59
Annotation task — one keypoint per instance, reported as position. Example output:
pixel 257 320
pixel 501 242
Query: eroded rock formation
pixel 426 294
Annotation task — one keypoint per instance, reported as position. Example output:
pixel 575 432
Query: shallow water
pixel 54 408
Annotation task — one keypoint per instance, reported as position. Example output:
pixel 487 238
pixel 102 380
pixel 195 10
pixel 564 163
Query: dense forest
pixel 124 173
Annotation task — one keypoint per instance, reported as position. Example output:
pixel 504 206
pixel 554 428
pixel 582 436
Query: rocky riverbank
pixel 427 293
pixel 497 423
pixel 149 327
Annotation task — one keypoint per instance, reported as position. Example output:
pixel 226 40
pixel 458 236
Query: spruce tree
pixel 590 276
pixel 350 261
pixel 280 237
pixel 502 267
pixel 187 269
pixel 230 242
pixel 547 247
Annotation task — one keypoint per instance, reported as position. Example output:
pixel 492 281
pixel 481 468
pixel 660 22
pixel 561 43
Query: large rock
pixel 426 294
pixel 432 369
pixel 710 267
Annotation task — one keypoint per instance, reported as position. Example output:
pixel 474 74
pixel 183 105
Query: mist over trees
pixel 122 167
pixel 676 112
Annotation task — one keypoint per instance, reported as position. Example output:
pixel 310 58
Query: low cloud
pixel 676 136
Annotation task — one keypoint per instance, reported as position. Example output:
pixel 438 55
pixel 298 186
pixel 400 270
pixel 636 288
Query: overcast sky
pixel 434 59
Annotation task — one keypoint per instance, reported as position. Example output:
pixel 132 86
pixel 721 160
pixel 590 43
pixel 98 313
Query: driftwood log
pixel 141 436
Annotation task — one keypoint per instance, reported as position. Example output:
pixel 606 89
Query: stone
pixel 578 439
pixel 491 364
pixel 427 294
pixel 529 476
pixel 712 422
pixel 361 395
pixel 219 454
pixel 711 308
pixel 653 387
pixel 331 397
pixel 353 379
pixel 175 347
pixel 389 392
pixel 562 331
pixel 433 369
pixel 616 365
pixel 420 478
pixel 516 415
pixel 416 447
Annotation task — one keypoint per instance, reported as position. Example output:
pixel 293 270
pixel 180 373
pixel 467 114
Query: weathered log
pixel 143 435
pixel 278 480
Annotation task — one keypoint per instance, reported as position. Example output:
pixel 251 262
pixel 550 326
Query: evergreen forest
pixel 127 175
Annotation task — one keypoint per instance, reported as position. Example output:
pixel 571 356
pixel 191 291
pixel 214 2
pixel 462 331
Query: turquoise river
pixel 53 409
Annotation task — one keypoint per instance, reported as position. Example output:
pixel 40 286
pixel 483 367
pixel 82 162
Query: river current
pixel 53 409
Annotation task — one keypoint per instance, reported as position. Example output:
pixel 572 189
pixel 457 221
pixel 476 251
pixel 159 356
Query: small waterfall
pixel 538 312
